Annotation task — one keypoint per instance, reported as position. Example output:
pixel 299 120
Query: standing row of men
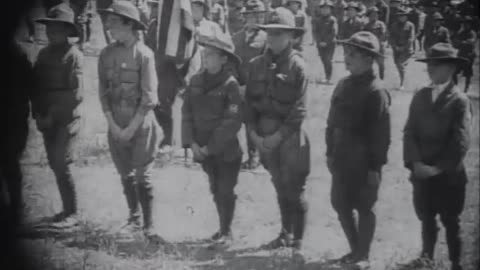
pixel 273 106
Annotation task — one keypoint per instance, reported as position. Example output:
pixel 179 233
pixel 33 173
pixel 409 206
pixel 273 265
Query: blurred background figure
pixel 218 13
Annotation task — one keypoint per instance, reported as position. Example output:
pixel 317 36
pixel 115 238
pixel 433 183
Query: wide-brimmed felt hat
pixel 443 52
pixel 125 9
pixel 220 41
pixel 353 5
pixel 63 14
pixel 282 19
pixel 293 1
pixel 254 6
pixel 326 3
pixel 437 16
pixel 372 9
pixel 365 41
pixel 203 2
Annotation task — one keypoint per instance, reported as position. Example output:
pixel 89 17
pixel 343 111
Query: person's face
pixel 252 19
pixel 213 59
pixel 325 10
pixel 294 7
pixel 119 29
pixel 438 23
pixel 373 16
pixel 57 32
pixel 351 13
pixel 197 11
pixel 440 72
pixel 355 61
pixel 278 40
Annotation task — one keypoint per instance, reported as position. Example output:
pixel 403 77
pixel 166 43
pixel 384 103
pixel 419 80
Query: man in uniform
pixel 358 138
pixel 352 23
pixel 55 106
pixel 295 6
pixel 465 41
pixel 128 95
pixel 436 140
pixel 395 6
pixel 83 19
pixel 325 30
pixel 402 37
pixel 383 11
pixel 417 17
pixel 437 33
pixel 218 13
pixel 339 11
pixel 104 4
pixel 235 18
pixel 250 43
pixel 379 29
pixel 276 108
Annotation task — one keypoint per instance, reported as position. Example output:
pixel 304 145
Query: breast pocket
pixel 285 91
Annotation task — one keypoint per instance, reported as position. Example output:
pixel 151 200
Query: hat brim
pixel 140 25
pixel 356 8
pixel 443 59
pixel 46 21
pixel 233 57
pixel 253 11
pixel 358 46
pixel 266 27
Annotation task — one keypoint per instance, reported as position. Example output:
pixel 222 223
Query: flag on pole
pixel 175 29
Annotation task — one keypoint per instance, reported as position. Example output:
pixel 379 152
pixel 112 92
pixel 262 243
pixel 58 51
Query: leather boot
pixel 130 191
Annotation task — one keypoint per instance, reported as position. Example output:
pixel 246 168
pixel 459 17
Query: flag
pixel 175 30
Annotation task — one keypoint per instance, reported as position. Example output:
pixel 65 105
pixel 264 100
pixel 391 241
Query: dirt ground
pixel 184 210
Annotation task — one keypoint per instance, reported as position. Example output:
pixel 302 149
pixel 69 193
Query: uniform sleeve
pixel 187 120
pixel 329 129
pixel 458 143
pixel 76 75
pixel 298 111
pixel 103 84
pixel 148 84
pixel 411 153
pixel 379 130
pixel 231 123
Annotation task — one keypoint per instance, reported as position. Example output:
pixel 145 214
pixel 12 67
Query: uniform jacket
pixel 438 133
pixel 465 41
pixel 211 114
pixel 358 125
pixel 435 35
pixel 58 83
pixel 383 11
pixel 402 36
pixel 247 49
pixel 350 27
pixel 325 29
pixel 276 93
pixel 127 81
pixel 378 28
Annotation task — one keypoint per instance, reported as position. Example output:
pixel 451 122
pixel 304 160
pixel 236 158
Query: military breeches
pixel 136 157
pixel 289 166
pixel 60 143
pixel 436 196
pixel 351 192
pixel 223 177
pixel 401 60
pixel 326 55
